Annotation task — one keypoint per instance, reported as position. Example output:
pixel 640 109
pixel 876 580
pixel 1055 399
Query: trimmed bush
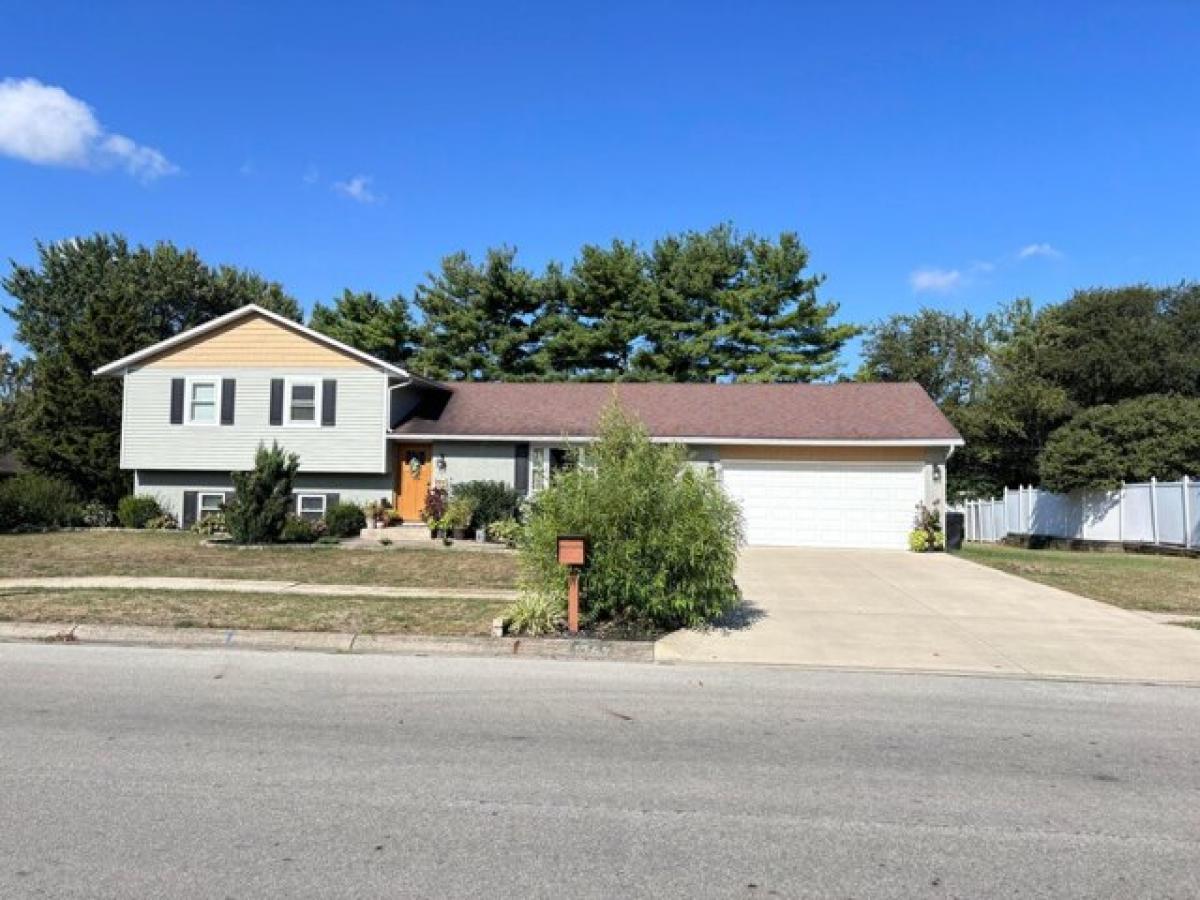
pixel 30 500
pixel 493 501
pixel 262 497
pixel 663 535
pixel 213 523
pixel 345 520
pixel 135 512
pixel 506 531
pixel 298 530
pixel 95 514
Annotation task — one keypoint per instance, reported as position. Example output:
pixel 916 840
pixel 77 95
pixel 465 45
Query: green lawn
pixel 1129 580
pixel 286 612
pixel 179 554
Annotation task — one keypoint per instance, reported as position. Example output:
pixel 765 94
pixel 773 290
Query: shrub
pixel 534 614
pixel 95 514
pixel 435 507
pixel 458 515
pixel 927 530
pixel 213 523
pixel 262 497
pixel 345 520
pixel 135 512
pixel 493 501
pixel 506 531
pixel 30 500
pixel 298 530
pixel 162 522
pixel 1151 436
pixel 663 535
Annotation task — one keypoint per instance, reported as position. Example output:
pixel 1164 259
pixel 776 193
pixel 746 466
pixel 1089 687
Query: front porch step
pixel 407 532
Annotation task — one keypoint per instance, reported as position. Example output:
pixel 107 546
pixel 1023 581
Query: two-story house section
pixel 197 406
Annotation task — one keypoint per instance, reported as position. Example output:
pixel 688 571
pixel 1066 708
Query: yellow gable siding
pixel 255 342
pixel 825 454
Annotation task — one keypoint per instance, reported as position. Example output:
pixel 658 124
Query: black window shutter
pixel 331 500
pixel 228 399
pixel 329 401
pixel 521 468
pixel 190 500
pixel 229 496
pixel 276 401
pixel 176 401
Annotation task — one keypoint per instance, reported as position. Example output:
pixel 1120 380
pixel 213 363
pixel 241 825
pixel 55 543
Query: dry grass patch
pixel 284 612
pixel 183 555
pixel 1128 580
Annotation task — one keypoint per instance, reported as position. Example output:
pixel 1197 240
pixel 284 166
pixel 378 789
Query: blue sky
pixel 947 154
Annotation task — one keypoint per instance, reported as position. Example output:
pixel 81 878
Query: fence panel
pixel 1168 502
pixel 1137 523
pixel 1168 512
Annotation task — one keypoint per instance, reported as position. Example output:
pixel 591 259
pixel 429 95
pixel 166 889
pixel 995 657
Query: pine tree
pixel 369 323
pixel 480 320
pixel 87 302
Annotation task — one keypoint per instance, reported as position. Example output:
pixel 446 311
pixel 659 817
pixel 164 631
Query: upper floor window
pixel 202 403
pixel 302 403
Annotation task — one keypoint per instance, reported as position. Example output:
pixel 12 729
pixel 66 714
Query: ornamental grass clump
pixel 663 535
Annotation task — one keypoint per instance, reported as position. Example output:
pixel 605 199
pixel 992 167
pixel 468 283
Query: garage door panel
pixel 825 505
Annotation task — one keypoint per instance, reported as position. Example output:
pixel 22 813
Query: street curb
pixel 329 642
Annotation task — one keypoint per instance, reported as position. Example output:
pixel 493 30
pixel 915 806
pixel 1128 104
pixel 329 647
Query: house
pixel 9 466
pixel 811 465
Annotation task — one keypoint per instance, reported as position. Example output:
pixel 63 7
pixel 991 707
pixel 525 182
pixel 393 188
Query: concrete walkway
pixel 241 586
pixel 935 612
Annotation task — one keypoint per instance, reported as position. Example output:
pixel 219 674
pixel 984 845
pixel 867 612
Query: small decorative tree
pixel 662 534
pixel 262 497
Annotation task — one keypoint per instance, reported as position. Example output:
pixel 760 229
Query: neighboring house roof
pixel 10 465
pixel 118 367
pixel 790 413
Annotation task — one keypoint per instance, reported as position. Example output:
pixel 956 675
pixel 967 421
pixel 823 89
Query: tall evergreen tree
pixel 479 320
pixel 594 319
pixel 87 302
pixel 369 323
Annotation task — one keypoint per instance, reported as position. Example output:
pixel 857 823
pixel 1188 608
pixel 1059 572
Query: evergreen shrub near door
pixel 493 501
pixel 262 497
pixel 345 520
pixel 663 536
pixel 136 512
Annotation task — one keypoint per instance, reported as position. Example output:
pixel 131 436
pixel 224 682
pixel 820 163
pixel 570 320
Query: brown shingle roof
pixel 806 412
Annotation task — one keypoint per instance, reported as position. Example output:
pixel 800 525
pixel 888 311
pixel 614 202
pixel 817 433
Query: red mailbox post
pixel 572 553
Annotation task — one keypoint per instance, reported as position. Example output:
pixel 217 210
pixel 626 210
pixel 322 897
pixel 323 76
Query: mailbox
pixel 572 550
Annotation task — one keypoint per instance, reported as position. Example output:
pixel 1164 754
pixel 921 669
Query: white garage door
pixel 794 504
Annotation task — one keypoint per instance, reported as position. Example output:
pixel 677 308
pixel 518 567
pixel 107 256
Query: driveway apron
pixel 877 609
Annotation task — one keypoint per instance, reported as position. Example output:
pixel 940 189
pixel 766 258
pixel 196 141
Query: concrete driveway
pixel 892 610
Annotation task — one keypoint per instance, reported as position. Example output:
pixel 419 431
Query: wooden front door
pixel 413 476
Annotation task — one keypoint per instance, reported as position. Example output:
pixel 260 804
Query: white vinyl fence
pixel 1154 512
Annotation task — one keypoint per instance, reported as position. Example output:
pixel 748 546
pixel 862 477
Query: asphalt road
pixel 158 773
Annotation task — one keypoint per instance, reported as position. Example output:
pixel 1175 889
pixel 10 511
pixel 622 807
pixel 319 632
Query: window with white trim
pixel 303 400
pixel 546 459
pixel 202 402
pixel 208 505
pixel 310 506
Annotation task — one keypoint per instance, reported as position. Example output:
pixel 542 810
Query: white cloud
pixel 358 188
pixel 311 175
pixel 1032 250
pixel 45 125
pixel 938 281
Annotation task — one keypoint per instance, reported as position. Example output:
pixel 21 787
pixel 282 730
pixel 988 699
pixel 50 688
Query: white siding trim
pixel 690 439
